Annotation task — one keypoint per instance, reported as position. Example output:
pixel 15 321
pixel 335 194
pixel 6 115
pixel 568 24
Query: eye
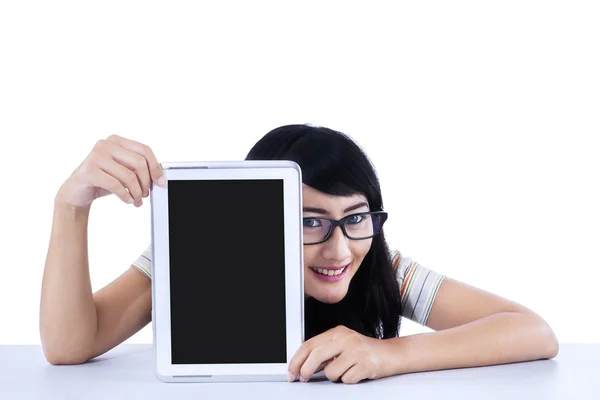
pixel 355 219
pixel 312 223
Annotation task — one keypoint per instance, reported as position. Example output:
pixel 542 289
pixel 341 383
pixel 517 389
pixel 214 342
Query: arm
pixel 75 324
pixel 473 328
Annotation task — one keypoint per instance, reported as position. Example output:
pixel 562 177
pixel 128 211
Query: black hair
pixel 333 163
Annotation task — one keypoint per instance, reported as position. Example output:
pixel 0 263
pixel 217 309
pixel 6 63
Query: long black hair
pixel 334 164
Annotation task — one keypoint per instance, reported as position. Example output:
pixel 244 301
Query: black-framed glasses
pixel 356 226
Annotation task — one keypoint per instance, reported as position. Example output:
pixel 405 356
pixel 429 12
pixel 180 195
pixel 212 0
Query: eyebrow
pixel 323 211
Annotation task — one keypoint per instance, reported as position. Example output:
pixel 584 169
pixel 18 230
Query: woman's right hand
pixel 115 165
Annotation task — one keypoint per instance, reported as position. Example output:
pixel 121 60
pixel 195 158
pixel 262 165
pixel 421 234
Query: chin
pixel 328 296
pixel 333 299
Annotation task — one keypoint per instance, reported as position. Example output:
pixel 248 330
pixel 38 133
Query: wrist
pixel 64 208
pixel 396 355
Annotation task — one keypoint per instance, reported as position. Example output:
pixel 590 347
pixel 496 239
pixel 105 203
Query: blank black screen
pixel 227 271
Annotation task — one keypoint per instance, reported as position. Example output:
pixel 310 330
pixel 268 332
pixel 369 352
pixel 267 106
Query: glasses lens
pixel 315 229
pixel 362 226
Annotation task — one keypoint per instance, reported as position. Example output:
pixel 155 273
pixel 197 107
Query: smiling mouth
pixel 330 271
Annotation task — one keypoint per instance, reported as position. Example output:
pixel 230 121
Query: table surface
pixel 127 372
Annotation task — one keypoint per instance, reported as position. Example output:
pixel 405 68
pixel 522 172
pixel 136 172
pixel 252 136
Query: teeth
pixel 328 272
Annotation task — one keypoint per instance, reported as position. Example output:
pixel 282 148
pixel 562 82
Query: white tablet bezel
pixel 294 276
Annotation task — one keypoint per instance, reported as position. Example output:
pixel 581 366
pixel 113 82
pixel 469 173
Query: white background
pixel 482 119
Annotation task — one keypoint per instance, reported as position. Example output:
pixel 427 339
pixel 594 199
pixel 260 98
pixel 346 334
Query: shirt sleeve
pixel 418 287
pixel 144 262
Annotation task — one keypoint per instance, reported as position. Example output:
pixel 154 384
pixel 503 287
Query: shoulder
pixel 144 262
pixel 418 287
pixel 400 263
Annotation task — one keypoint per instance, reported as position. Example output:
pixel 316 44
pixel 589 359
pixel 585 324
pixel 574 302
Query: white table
pixel 127 372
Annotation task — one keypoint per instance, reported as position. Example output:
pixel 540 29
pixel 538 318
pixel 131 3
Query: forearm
pixel 497 339
pixel 67 310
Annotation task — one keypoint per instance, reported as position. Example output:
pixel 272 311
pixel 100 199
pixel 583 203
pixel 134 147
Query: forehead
pixel 311 197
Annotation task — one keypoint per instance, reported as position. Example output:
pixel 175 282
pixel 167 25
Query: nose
pixel 337 247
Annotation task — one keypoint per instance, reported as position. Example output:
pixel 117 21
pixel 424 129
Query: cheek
pixel 361 249
pixel 309 255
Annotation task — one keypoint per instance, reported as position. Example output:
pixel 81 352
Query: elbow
pixel 58 357
pixel 60 348
pixel 552 347
pixel 549 346
pixel 63 352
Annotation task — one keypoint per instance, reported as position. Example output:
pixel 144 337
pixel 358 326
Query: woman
pixel 352 321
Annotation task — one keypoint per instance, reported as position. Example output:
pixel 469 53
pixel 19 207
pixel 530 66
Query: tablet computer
pixel 227 270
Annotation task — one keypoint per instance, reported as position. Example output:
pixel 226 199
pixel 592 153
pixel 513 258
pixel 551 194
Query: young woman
pixel 352 315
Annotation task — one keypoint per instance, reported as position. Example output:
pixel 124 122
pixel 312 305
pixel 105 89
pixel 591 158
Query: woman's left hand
pixel 344 355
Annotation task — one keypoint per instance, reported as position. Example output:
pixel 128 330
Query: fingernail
pixel 161 181
pixel 302 379
pixel 291 378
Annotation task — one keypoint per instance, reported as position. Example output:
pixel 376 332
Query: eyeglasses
pixel 356 226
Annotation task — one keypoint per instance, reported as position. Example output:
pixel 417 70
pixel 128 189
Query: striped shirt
pixel 418 285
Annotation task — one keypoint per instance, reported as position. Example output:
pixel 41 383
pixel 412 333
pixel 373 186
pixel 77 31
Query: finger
pixel 353 375
pixel 127 177
pixel 319 355
pixel 103 180
pixel 154 166
pixel 304 351
pixel 338 367
pixel 323 365
pixel 134 162
pixel 319 369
